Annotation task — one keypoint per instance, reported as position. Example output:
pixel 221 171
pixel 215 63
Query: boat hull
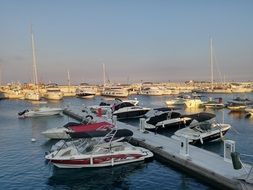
pixel 212 137
pixel 99 160
pixel 42 113
pixel 131 114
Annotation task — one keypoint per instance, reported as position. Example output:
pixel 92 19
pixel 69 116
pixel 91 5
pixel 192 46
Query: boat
pixel 151 91
pixel 88 125
pixel 212 104
pixel 249 110
pixel 203 130
pixel 115 91
pixel 53 92
pixel 34 94
pixel 241 101
pixel 236 107
pixel 127 110
pixel 178 101
pixel 240 88
pixel 39 112
pixel 106 106
pixel 194 102
pixel 95 154
pixel 85 90
pixel 165 119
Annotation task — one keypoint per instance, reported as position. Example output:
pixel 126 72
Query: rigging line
pixel 217 66
pixel 247 155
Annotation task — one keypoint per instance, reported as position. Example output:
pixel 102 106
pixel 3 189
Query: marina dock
pixel 205 165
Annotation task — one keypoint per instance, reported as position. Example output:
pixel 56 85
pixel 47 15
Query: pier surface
pixel 203 164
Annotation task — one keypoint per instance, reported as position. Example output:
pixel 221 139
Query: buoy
pixel 33 139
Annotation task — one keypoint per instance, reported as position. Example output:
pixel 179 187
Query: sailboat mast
pixel 35 74
pixel 211 61
pixel 68 78
pixel 103 75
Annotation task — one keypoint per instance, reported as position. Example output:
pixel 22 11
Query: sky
pixel 137 40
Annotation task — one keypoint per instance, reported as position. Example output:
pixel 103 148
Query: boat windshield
pixel 202 127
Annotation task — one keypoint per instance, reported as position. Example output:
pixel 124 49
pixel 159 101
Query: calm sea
pixel 23 166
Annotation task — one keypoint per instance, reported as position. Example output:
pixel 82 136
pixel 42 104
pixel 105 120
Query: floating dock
pixel 205 165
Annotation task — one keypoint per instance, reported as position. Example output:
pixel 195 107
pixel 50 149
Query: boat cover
pixel 99 133
pixel 91 127
pixel 200 117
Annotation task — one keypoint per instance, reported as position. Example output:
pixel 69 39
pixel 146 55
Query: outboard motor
pixel 22 112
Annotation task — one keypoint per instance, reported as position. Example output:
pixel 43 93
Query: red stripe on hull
pixel 97 160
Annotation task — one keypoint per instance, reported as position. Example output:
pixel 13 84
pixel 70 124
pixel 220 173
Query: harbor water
pixel 23 165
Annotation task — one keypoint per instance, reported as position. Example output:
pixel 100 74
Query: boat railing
pixel 110 135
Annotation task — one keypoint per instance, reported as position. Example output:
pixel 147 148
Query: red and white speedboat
pixel 62 132
pixel 93 153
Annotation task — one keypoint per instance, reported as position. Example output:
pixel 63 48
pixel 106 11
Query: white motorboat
pixel 92 153
pixel 194 102
pixel 107 106
pixel 126 110
pixel 202 131
pixel 165 119
pixel 212 104
pixel 178 101
pixel 42 111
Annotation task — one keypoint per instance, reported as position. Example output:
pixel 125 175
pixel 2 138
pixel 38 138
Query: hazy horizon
pixel 136 40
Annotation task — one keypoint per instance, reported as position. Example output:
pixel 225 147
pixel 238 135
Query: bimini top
pixel 101 133
pixel 200 117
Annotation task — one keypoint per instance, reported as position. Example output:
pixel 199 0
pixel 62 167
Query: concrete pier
pixel 198 162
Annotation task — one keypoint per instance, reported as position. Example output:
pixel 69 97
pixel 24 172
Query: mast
pixel 0 75
pixel 211 61
pixel 35 74
pixel 104 75
pixel 68 78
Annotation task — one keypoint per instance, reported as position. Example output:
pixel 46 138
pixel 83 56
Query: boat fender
pixel 89 116
pixel 23 112
pixel 237 164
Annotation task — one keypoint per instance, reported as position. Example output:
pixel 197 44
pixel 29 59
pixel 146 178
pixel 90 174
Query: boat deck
pixel 208 166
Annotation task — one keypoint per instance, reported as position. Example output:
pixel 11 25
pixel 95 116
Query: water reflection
pixel 237 115
pixel 94 178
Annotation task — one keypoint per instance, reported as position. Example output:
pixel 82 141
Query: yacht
pixel 93 153
pixel 85 90
pixel 38 112
pixel 32 95
pixel 53 92
pixel 151 91
pixel 204 129
pixel 116 91
pixel 240 88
